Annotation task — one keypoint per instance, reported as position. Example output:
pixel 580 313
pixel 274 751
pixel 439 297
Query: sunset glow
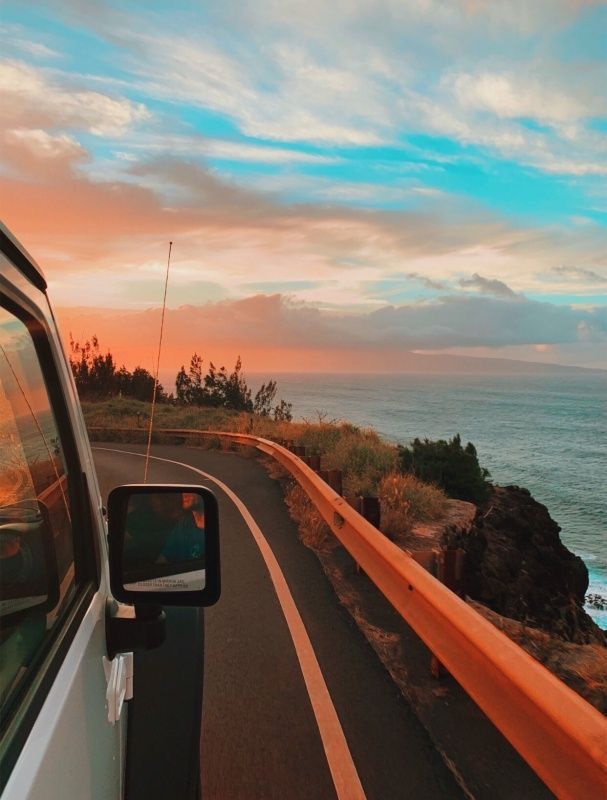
pixel 348 186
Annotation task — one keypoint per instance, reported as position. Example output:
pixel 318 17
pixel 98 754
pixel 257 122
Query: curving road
pixel 274 724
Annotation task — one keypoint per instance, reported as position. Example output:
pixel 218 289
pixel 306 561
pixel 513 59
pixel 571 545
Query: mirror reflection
pixel 164 547
pixel 26 576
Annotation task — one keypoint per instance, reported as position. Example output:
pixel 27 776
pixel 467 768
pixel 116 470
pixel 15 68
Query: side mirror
pixel 164 545
pixel 28 563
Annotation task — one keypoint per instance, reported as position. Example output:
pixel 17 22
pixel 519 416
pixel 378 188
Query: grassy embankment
pixel 368 464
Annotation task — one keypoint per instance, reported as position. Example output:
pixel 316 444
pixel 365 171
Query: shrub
pixel 405 500
pixel 363 459
pixel 449 465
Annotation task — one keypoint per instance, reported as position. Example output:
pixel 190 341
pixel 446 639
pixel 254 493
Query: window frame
pixel 31 694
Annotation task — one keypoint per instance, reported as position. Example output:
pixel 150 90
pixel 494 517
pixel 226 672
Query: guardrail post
pixel 448 567
pixel 313 462
pixel 334 479
pixel 369 508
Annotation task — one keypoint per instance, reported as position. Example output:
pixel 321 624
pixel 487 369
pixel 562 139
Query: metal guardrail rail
pixel 561 736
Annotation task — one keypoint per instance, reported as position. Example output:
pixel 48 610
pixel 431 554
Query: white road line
pixel 344 774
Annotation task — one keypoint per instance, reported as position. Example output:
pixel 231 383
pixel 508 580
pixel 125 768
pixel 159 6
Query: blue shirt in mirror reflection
pixel 186 540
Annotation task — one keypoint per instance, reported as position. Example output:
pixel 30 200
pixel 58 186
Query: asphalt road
pixel 260 733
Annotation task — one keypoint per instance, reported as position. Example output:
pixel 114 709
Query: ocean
pixel 545 433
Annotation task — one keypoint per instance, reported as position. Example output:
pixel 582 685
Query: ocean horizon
pixel 546 433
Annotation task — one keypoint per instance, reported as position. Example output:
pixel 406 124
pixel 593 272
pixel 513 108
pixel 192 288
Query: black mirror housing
pixel 164 545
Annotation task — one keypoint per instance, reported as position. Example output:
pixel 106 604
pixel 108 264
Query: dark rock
pixel 517 565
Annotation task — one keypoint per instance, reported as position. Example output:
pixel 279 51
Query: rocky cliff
pixel 517 566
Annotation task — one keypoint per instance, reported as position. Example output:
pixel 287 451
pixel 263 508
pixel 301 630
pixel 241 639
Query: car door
pixel 56 741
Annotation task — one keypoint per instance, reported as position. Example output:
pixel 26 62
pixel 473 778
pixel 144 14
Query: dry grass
pixel 361 455
pixel 313 531
pixel 363 458
pixel 131 413
pixel 405 501
pixel 583 667
pixel 366 461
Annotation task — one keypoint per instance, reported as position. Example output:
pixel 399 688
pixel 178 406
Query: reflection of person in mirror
pixel 149 520
pixel 186 540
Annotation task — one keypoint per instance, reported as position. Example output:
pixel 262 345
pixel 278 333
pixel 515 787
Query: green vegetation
pixel 127 412
pixel 449 465
pixel 408 481
pixel 98 378
pixel 363 458
pixel 216 389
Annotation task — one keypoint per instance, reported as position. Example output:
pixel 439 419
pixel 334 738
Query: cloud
pixel 453 321
pixel 45 145
pixel 488 286
pixel 365 74
pixel 221 149
pixel 277 92
pixel 427 282
pixel 35 157
pixel 520 96
pixel 108 229
pixel 580 274
pixel 148 145
pixel 17 38
pixel 31 98
pixel 360 95
pixel 272 331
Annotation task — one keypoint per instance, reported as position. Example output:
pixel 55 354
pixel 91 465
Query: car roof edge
pixel 14 250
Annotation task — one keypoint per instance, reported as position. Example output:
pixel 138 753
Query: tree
pixel 141 385
pixel 449 465
pixel 236 393
pixel 94 373
pixel 221 389
pixel 183 386
pixel 283 411
pixel 213 384
pixel 97 377
pixel 196 387
pixel 264 398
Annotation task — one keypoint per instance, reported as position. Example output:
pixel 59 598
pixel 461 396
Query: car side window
pixel 37 574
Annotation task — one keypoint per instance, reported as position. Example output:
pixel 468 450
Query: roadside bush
pixel 363 459
pixel 449 465
pixel 405 500
pixel 321 437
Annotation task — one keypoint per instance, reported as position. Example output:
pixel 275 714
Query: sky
pixel 344 183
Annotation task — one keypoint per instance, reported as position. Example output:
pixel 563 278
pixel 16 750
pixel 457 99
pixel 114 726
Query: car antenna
pixel 164 302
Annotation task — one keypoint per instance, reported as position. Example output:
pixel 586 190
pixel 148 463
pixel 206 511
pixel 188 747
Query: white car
pixel 85 710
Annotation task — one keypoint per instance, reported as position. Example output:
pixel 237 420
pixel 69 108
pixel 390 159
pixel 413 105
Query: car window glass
pixel 37 578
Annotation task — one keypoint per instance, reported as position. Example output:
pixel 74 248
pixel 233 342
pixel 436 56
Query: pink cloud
pixel 271 332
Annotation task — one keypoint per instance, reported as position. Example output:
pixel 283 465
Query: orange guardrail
pixel 561 736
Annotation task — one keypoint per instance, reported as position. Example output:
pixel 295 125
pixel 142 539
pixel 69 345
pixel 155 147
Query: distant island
pixel 142 326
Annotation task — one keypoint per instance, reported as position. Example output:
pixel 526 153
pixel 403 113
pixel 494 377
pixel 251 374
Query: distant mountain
pixel 446 363
pixel 218 333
